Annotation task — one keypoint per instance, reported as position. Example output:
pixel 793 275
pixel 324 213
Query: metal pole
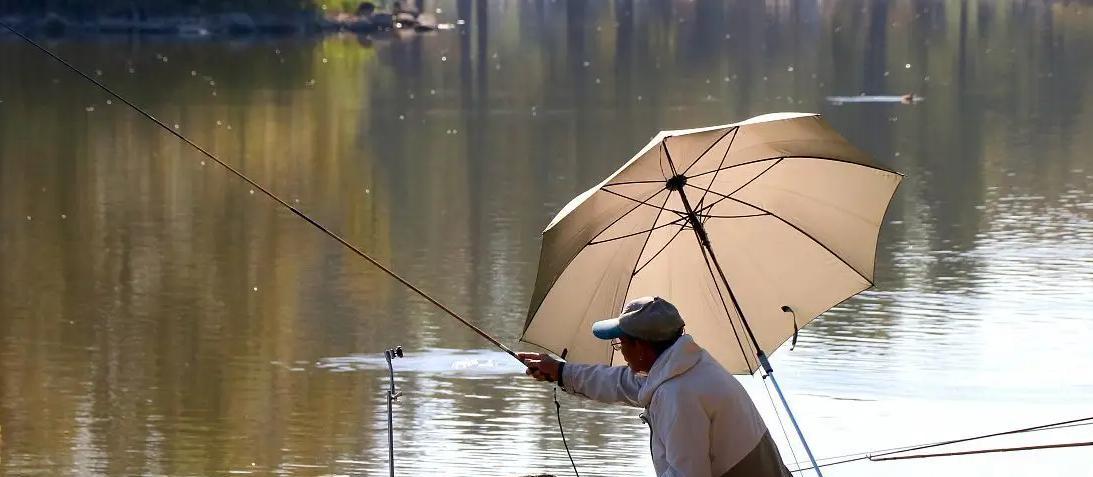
pixel 677 183
pixel 390 434
pixel 778 389
pixel 392 395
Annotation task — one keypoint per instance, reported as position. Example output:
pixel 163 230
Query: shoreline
pixel 214 25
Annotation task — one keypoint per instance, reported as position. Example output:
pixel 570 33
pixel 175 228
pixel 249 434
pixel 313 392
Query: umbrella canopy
pixel 792 212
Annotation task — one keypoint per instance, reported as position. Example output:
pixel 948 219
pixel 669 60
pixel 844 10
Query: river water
pixel 158 317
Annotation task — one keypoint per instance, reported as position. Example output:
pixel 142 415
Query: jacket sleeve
pixel 609 384
pixel 683 427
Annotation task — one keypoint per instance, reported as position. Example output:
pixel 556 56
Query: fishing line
pixel 269 194
pixel 877 455
pixel 558 410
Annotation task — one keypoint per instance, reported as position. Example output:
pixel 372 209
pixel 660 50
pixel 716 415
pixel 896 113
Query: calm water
pixel 157 318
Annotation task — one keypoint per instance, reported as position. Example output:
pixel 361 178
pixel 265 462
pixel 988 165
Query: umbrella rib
pixel 799 230
pixel 733 216
pixel 738 189
pixel 632 182
pixel 719 166
pixel 599 282
pixel 668 155
pixel 734 131
pixel 674 222
pixel 639 204
pixel 818 158
pixel 655 255
pixel 637 260
pixel 723 196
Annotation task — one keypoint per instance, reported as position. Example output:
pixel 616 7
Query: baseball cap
pixel 649 318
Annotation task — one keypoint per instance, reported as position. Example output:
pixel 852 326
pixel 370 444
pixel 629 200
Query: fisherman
pixel 702 421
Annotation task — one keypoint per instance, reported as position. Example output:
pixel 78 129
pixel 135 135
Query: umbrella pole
pixel 770 374
pixel 677 183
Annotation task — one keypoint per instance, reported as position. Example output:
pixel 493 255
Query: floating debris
pixel 906 99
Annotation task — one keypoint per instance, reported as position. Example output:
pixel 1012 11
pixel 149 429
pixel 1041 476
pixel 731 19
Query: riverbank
pixel 222 24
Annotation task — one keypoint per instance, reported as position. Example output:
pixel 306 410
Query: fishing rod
pixel 269 194
pixel 302 215
pixel 883 454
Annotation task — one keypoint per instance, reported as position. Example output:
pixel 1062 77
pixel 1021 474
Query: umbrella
pixel 791 211
pixel 751 229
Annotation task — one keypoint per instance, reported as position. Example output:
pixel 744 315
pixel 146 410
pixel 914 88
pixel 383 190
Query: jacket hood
pixel 676 360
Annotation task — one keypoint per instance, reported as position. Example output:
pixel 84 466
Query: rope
pixel 269 194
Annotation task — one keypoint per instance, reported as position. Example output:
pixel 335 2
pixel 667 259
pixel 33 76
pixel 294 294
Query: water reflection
pixel 158 318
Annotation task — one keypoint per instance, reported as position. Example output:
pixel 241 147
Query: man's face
pixel 635 353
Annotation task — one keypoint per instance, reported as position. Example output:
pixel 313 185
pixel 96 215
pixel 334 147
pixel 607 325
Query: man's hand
pixel 540 366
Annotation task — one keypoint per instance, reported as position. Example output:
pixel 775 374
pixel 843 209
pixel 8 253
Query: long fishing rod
pixel 882 454
pixel 271 195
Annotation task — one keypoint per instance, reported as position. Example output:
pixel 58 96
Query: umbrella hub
pixel 676 183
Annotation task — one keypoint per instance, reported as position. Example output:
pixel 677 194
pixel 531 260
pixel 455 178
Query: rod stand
pixel 392 396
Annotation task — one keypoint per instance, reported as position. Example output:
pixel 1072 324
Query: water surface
pixel 159 318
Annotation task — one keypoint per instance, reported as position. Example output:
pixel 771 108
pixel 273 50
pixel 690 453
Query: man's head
pixel 646 328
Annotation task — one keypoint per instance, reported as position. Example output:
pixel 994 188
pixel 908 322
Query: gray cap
pixel 648 318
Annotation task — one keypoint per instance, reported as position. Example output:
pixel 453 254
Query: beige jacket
pixel 701 421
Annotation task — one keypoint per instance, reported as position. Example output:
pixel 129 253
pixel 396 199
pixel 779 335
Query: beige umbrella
pixel 751 229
